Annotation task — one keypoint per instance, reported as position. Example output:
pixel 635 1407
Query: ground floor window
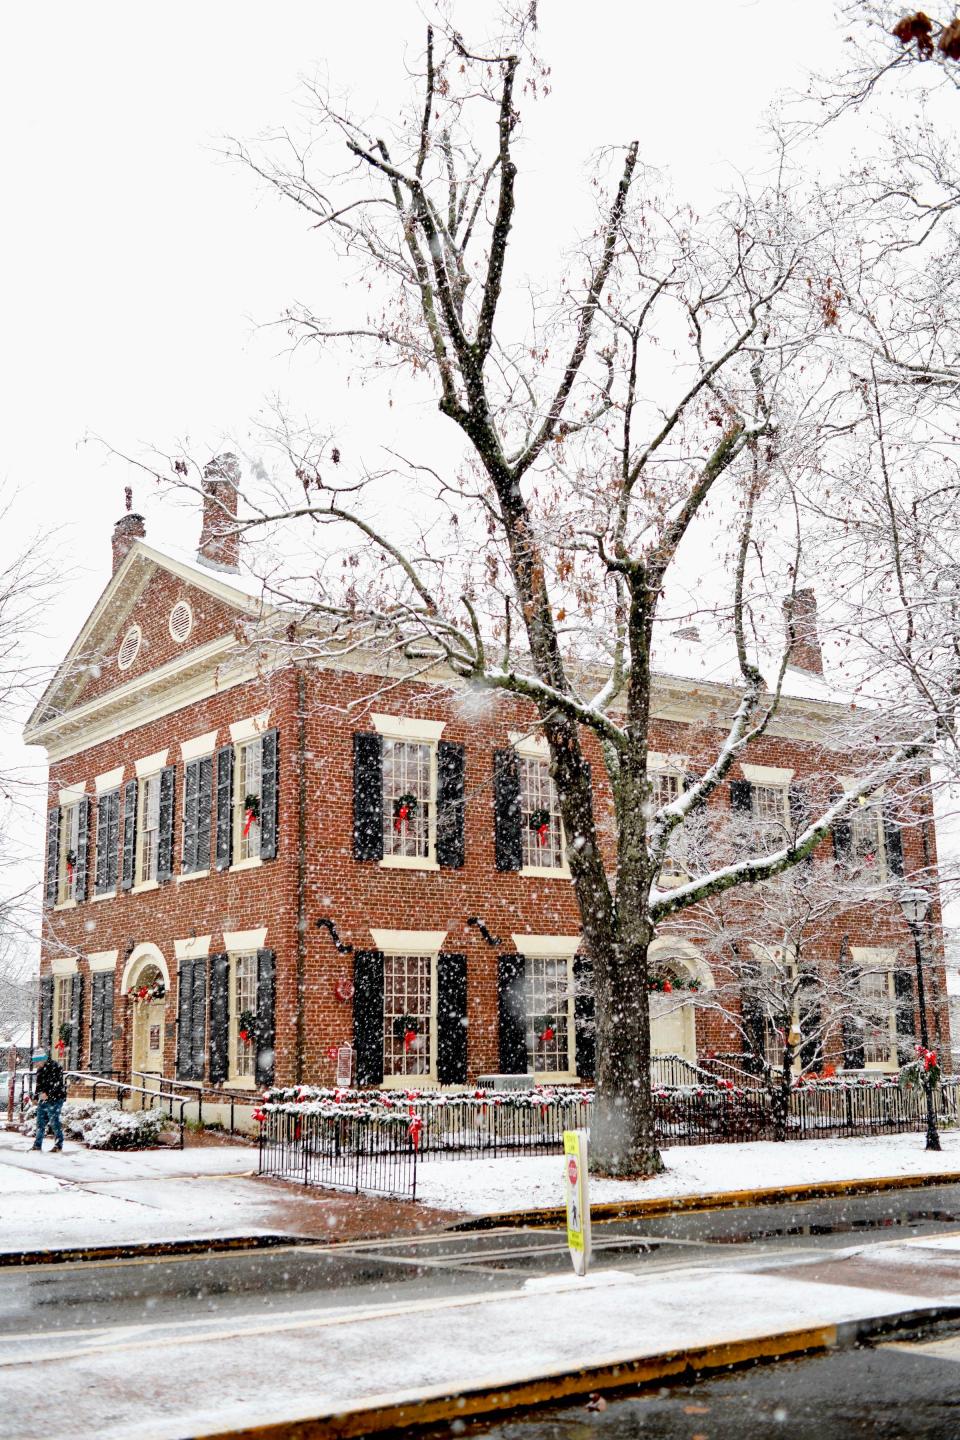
pixel 879 1011
pixel 548 1001
pixel 243 1009
pixel 408 1014
pixel 62 998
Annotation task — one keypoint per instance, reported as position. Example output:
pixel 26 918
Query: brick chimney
pixel 129 527
pixel 219 542
pixel 805 650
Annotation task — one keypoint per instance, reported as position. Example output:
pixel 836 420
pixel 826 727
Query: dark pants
pixel 48 1113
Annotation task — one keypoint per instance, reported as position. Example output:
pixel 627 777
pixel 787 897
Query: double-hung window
pixel 242 1001
pixel 541 828
pixel 769 806
pixel 665 787
pixel 62 1011
pixel 866 838
pixel 69 853
pixel 409 1015
pixel 148 828
pixel 879 1014
pixel 548 1003
pixel 248 800
pixel 409 790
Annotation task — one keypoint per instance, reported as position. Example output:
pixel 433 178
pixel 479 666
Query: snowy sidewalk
pixel 276 1370
pixel 485 1187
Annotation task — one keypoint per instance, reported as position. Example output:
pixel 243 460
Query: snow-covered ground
pixel 487 1186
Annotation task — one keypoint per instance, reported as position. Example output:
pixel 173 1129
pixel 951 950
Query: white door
pixel 148 1041
pixel 673 1028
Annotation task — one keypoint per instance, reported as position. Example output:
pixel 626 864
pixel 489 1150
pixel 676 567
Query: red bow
pixel 403 814
pixel 408 1038
pixel 250 819
pixel 543 833
pixel 547 1035
pixel 244 1036
pixel 414 1130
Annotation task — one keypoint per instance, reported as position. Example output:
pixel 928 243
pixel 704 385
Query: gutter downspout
pixel 301 972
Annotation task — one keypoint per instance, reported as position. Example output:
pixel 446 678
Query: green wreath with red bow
pixel 251 813
pixel 404 810
pixel 246 1025
pixel 406 1028
pixel 539 823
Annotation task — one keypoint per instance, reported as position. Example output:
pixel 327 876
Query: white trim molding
pixel 250 728
pixel 151 764
pixel 876 957
pixel 199 747
pixel 671 764
pixel 64 965
pixel 409 942
pixel 235 941
pixel 145 954
pixel 408 727
pixel 667 948
pixel 70 794
pixel 548 947
pixel 102 960
pixel 766 774
pixel 526 742
pixel 109 780
pixel 195 948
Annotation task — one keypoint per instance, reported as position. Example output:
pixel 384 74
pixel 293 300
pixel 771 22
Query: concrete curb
pixel 143 1250
pixel 721 1200
pixel 384 1413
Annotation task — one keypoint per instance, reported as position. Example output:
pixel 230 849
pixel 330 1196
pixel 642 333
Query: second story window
pixel 148 824
pixel 866 838
pixel 541 829
pixel 769 806
pixel 409 786
pixel 69 853
pixel 248 801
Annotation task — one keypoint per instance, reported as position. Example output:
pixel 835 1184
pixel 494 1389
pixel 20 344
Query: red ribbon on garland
pixel 414 1130
pixel 250 819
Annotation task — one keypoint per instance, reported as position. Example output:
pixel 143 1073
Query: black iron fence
pixel 379 1153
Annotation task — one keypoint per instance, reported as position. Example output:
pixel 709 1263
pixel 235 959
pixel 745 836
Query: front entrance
pixel 673 1027
pixel 149 1020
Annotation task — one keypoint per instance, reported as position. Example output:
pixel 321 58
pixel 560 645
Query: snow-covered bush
pixel 104 1126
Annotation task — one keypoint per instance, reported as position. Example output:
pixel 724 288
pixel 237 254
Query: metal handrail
pixel 123 1087
pixel 214 1095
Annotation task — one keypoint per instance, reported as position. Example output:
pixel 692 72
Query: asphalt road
pixel 38 1302
pixel 885 1392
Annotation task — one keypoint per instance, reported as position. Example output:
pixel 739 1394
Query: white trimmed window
pixel 409 1016
pixel 69 845
pixel 548 1003
pixel 409 807
pixel 866 838
pixel 770 812
pixel 242 998
pixel 148 828
pixel 62 997
pixel 879 1013
pixel 541 829
pixel 665 787
pixel 248 800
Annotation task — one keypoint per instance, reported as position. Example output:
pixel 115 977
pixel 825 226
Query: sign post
pixel 576 1188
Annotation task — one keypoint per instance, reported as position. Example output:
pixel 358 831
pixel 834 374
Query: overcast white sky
pixel 137 266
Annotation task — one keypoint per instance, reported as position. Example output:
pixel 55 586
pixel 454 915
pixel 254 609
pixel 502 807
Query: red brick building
pixel 250 864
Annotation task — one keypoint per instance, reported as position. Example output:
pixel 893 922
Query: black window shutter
pixel 95 1064
pixel 129 834
pixel 842 834
pixel 741 795
pixel 452 1019
pixel 185 1020
pixel 53 856
pixel 751 1014
pixel 198 1023
pixel 46 1013
pixel 811 1044
pixel 508 848
pixel 266 1015
pixel 368 1016
pixel 893 843
pixel 269 793
pixel 689 780
pixel 113 841
pixel 168 790
pixel 75 1048
pixel 83 849
pixel 224 808
pixel 584 1018
pixel 191 816
pixel 219 1016
pixel 106 978
pixel 103 825
pixel 367 797
pixel 799 808
pixel 450 804
pixel 204 811
pixel 512 1014
pixel 904 991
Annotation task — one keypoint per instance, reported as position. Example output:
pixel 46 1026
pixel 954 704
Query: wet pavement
pixel 885 1392
pixel 42 1300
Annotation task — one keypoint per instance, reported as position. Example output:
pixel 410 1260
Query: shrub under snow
pixel 105 1126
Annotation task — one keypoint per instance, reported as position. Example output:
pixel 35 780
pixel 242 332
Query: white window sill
pixel 252 862
pixel 144 886
pixel 408 862
pixel 246 1083
pixel 546 872
pixel 65 905
pixel 106 895
pixel 410 1082
pixel 552 1077
pixel 192 875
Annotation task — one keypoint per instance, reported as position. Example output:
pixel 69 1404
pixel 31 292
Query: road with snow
pixel 194 1344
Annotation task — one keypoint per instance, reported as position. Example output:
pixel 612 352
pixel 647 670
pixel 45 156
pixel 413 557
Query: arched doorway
pixel 145 982
pixel 673 1015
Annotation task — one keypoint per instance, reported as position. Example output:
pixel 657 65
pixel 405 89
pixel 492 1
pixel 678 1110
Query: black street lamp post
pixel 915 904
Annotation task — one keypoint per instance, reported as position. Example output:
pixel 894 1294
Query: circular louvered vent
pixel 181 621
pixel 129 647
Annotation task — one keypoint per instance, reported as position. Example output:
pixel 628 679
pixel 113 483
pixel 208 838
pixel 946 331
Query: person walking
pixel 51 1093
